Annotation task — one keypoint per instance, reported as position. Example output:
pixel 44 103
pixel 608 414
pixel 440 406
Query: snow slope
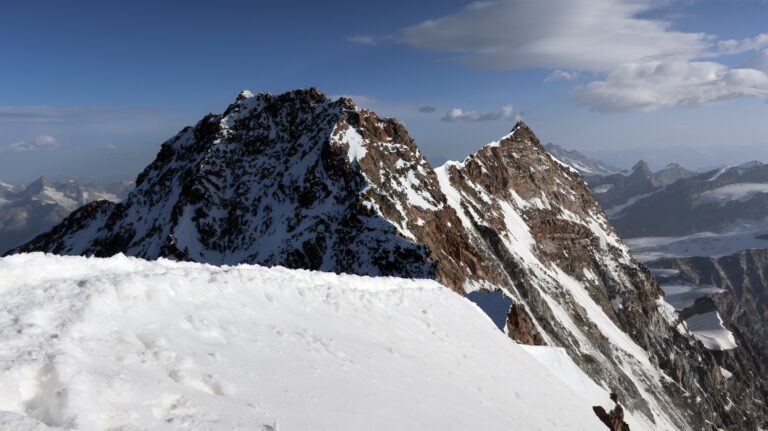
pixel 709 329
pixel 124 343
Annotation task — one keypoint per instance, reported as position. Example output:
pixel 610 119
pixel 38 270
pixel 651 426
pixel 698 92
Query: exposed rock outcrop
pixel 614 419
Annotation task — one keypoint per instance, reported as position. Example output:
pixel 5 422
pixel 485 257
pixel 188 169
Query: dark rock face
pixel 303 181
pixel 614 419
pixel 743 306
pixel 521 327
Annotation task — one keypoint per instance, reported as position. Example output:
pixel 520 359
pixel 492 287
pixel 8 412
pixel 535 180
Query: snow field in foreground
pixel 98 344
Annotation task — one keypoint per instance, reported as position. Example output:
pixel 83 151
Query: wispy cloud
pixel 651 85
pixel 759 61
pixel 26 146
pixel 566 34
pixel 363 39
pixel 641 63
pixel 61 114
pixel 562 75
pixel 738 46
pixel 455 115
pixel 33 114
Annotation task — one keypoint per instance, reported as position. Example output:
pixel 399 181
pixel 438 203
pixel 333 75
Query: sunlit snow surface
pixel 709 329
pixel 123 343
pixel 683 295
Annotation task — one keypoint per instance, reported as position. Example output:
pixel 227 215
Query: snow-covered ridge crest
pixel 303 181
pixel 205 347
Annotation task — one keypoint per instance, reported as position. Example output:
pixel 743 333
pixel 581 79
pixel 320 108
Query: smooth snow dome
pixel 94 344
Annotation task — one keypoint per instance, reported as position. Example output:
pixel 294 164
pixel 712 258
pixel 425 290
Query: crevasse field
pixel 122 343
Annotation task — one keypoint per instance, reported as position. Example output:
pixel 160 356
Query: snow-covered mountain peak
pixel 520 127
pixel 642 168
pixel 295 179
pixel 245 94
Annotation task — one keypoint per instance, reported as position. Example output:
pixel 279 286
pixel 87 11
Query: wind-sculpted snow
pixel 122 343
pixel 303 181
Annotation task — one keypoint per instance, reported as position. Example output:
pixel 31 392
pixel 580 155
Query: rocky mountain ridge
pixel 26 212
pixel 304 181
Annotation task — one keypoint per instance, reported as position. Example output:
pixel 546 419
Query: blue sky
pixel 89 90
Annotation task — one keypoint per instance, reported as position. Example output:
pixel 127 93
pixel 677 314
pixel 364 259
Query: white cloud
pixel 457 114
pixel 650 85
pixel 759 61
pixel 562 75
pixel 359 99
pixel 645 64
pixel 363 39
pixel 556 34
pixel 39 143
pixel 738 46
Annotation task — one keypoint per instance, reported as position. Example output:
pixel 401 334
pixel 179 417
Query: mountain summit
pixel 305 181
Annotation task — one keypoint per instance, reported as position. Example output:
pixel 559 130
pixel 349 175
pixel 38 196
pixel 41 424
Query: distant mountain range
pixel 680 212
pixel 616 191
pixel 586 166
pixel 26 212
pixel 708 214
